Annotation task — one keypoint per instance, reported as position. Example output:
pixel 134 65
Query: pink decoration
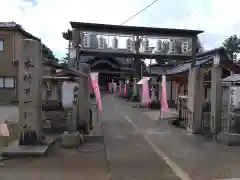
pixel 120 88
pixel 125 90
pixel 145 92
pixel 164 103
pixel 94 79
pixel 114 88
pixel 4 130
pixel 110 87
pixel 90 88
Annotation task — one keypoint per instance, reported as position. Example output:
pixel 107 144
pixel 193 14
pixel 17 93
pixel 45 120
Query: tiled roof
pixel 232 78
pixel 185 67
pixel 8 24
pixel 202 58
pixel 16 27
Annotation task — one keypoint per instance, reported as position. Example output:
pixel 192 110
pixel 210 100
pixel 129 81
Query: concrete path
pixel 137 148
pixel 129 155
pixel 60 164
pixel 191 157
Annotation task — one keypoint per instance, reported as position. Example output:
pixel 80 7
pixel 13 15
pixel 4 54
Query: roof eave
pixel 134 29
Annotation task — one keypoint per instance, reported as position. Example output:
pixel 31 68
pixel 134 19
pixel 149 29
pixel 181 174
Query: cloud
pixel 47 19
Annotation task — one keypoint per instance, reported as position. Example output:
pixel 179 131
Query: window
pixel 7 82
pixel 1 45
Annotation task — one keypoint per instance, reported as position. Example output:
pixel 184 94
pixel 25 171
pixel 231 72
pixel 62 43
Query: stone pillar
pixel 120 87
pixel 216 99
pixel 134 86
pixel 30 87
pixel 160 91
pixel 83 105
pixel 74 111
pixel 195 99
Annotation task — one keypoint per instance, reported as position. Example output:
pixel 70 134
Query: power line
pixel 203 5
pixel 145 8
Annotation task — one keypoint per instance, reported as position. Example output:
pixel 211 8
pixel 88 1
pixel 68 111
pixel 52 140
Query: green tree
pixel 48 53
pixel 200 47
pixel 67 35
pixel 232 47
pixel 64 61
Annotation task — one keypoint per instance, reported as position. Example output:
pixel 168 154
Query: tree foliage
pixel 64 61
pixel 232 47
pixel 48 53
pixel 67 35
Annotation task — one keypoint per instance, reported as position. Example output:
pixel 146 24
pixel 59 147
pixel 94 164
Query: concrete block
pixel 229 139
pixel 71 140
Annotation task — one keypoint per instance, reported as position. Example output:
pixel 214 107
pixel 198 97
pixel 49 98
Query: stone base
pixel 193 132
pixel 229 139
pixel 71 140
pixel 143 105
pixel 16 150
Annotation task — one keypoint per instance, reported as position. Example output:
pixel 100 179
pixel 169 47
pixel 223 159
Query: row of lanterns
pixel 164 46
pixel 161 46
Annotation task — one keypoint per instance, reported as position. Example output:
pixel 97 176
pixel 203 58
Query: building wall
pixel 7 69
pixel 12 51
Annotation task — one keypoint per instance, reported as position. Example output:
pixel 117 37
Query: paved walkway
pixel 138 148
pixel 60 164
pixel 191 157
pixel 129 155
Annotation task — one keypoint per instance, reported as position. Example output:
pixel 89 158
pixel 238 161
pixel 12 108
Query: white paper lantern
pixel 172 48
pixel 145 44
pixel 115 43
pixel 129 44
pixel 101 42
pixel 185 47
pixel 159 46
pixel 86 41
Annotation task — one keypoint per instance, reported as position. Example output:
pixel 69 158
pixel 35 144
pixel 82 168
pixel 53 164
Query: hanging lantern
pixel 173 45
pixel 129 44
pixel 145 44
pixel 115 43
pixel 86 41
pixel 159 46
pixel 185 47
pixel 101 42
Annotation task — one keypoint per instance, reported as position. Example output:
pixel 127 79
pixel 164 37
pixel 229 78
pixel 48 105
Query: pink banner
pixel 145 92
pixel 90 88
pixel 125 90
pixel 94 79
pixel 164 103
pixel 114 88
pixel 120 88
pixel 110 87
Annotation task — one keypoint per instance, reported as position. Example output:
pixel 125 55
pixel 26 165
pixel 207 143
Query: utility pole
pixel 137 60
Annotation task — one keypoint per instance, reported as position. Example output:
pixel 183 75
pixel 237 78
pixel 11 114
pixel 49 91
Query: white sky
pixel 49 18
